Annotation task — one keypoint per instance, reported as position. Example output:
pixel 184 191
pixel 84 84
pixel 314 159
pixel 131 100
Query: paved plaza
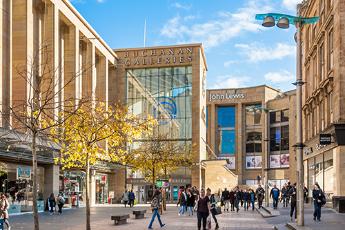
pixel 74 219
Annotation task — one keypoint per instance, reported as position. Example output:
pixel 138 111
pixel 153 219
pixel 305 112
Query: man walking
pixel 293 197
pixel 226 199
pixel 275 196
pixel 260 194
pixel 284 195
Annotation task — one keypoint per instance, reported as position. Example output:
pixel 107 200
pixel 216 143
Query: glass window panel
pixel 285 138
pixel 285 115
pixel 138 72
pixel 275 137
pixel 189 69
pixel 226 116
pixel 227 141
pixel 179 70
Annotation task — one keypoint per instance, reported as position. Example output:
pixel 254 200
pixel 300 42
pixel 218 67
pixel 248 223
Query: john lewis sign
pixel 226 96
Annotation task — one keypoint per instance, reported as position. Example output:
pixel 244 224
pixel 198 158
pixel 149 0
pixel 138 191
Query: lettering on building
pixel 165 56
pixel 226 96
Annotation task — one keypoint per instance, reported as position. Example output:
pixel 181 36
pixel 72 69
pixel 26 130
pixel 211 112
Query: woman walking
pixel 213 205
pixel 190 202
pixel 252 198
pixel 51 203
pixel 155 204
pixel 203 209
pixel 318 198
pixel 4 205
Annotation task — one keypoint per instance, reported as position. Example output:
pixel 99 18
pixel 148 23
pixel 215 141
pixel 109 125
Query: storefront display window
pixel 73 187
pixel 226 133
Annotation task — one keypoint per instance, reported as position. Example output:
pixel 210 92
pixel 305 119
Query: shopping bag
pixel 208 223
pixel 218 210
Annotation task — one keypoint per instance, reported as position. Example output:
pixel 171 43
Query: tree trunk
pixel 34 179
pixel 88 182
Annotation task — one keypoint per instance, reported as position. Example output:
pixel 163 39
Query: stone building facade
pixel 248 132
pixel 323 95
pixel 52 35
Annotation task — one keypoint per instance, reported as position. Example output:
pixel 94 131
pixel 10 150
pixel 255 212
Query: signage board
pixel 23 172
pixel 325 139
pixel 162 184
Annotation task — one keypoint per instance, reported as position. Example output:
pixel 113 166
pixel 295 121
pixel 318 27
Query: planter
pixel 15 208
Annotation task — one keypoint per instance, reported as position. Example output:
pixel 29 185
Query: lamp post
pixel 283 22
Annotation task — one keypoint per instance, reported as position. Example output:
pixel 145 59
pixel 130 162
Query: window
pixel 285 115
pixel 315 80
pixel 226 134
pixel 275 138
pixel 307 45
pixel 253 142
pixel 321 63
pixel 322 115
pixel 253 115
pixel 285 137
pixel 330 107
pixel 275 117
pixel 330 51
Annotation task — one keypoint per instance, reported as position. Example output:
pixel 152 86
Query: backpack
pixel 323 198
pixel 61 200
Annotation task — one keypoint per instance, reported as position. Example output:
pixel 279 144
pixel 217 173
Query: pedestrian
pixel 284 194
pixel 288 187
pixel 226 199
pixel 4 205
pixel 319 200
pixel 190 202
pixel 213 206
pixel 51 203
pixel 252 198
pixel 237 198
pixel 125 198
pixel 203 209
pixel 241 197
pixel 260 194
pixel 131 198
pixel 246 199
pixel 232 200
pixel 60 202
pixel 155 204
pixel 306 193
pixel 182 202
pixel 275 196
pixel 293 198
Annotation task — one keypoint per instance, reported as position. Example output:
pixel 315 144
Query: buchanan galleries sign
pixel 162 56
pixel 226 96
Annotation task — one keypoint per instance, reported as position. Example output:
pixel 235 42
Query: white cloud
pixel 181 6
pixel 224 27
pixel 230 62
pixel 256 52
pixel 279 77
pixel 229 81
pixel 291 4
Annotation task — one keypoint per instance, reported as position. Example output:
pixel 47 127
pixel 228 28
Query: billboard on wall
pixel 24 172
pixel 280 161
pixel 231 161
pixel 253 162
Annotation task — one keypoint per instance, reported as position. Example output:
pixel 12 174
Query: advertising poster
pixel 285 160
pixel 23 172
pixel 275 161
pixel 231 163
pixel 253 162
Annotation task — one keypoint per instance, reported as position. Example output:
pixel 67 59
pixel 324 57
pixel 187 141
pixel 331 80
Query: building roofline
pixel 168 46
pixel 92 30
pixel 257 86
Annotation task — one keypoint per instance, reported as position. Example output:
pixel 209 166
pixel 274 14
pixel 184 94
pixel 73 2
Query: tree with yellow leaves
pixel 95 133
pixel 159 157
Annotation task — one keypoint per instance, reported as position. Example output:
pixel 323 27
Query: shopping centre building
pixel 238 136
pixel 248 133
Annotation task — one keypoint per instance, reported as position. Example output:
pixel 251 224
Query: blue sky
pixel 239 51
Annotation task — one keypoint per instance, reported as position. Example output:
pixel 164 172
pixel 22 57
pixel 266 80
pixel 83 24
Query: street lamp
pixel 283 22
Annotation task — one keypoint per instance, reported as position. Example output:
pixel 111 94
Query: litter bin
pixel 339 203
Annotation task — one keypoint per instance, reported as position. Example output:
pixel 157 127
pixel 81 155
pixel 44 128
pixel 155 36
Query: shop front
pixel 72 185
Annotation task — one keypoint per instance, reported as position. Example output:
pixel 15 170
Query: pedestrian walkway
pixel 100 220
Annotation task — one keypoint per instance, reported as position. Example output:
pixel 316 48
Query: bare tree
pixel 32 117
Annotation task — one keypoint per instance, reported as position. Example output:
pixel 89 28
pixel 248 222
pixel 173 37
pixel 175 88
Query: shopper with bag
pixel 203 209
pixel 319 200
pixel 4 205
pixel 155 204
pixel 214 208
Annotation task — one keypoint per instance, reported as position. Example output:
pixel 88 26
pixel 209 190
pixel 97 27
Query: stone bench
pixel 139 214
pixel 120 219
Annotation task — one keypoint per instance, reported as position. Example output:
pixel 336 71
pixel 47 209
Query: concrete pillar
pixel 70 64
pixel 86 70
pixel 5 62
pixel 93 72
pixel 101 71
pixel 339 173
pixel 120 182
pixel 240 133
pixel 51 180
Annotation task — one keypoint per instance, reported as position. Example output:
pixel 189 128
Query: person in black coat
pixel 232 200
pixel 318 198
pixel 237 198
pixel 246 199
pixel 190 202
pixel 293 198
